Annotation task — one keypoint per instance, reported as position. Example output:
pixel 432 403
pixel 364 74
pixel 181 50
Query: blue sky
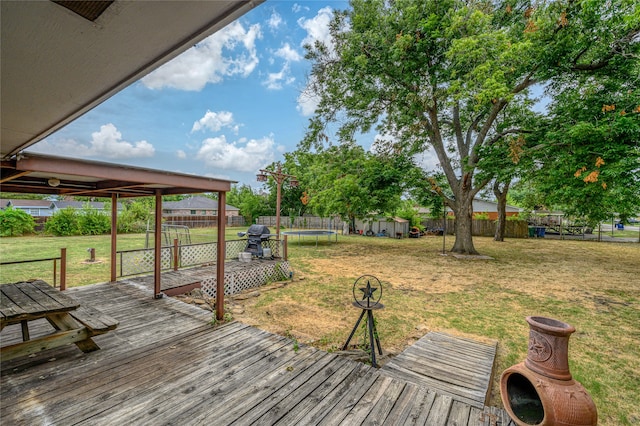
pixel 225 108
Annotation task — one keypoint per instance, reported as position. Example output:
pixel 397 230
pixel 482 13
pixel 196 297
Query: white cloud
pixel 296 8
pixel 215 121
pixel 307 102
pixel 317 28
pixel 288 54
pixel 308 99
pixel 242 155
pixel 428 160
pixel 181 154
pixel 105 143
pixel 218 56
pixel 274 21
pixel 275 81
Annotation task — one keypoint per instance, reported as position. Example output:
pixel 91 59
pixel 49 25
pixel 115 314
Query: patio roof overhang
pixel 45 174
pixel 60 59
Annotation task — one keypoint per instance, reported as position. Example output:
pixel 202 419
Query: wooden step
pixel 459 367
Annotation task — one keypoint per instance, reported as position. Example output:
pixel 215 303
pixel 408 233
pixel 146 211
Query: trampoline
pixel 311 233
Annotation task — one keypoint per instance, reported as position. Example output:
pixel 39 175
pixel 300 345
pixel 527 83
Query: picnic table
pixel 23 302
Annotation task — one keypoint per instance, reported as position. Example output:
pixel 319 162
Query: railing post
pixel 284 248
pixel 175 254
pixel 63 269
pixel 55 273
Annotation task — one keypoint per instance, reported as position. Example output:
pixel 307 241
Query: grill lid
pixel 258 230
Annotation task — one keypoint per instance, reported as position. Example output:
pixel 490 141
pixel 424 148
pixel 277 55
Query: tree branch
pixel 482 135
pixel 615 48
pixel 506 132
pixel 473 126
pixel 463 148
pixel 527 82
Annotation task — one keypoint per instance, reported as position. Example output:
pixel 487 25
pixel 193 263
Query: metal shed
pixel 384 226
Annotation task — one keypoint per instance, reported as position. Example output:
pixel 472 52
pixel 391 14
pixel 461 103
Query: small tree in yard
pixel 15 222
pixel 134 216
pixel 350 182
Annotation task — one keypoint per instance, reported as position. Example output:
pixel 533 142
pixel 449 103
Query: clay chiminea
pixel 540 390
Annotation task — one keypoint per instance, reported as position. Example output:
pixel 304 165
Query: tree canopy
pixel 454 76
pixel 589 153
pixel 250 203
pixel 347 181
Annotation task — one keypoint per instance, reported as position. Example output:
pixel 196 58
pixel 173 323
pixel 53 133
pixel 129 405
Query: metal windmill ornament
pixel 367 292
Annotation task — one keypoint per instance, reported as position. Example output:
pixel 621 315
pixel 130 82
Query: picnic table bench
pixel 73 323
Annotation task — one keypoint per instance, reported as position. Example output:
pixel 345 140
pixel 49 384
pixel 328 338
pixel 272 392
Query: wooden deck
pixel 454 366
pixel 165 364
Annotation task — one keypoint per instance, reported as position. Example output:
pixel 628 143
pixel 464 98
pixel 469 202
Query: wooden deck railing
pixel 141 261
pixel 63 267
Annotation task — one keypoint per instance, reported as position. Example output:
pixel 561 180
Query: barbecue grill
pixel 256 235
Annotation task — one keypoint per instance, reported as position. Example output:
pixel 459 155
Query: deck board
pixel 458 367
pixel 166 364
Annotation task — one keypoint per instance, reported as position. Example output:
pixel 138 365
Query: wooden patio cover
pixel 44 174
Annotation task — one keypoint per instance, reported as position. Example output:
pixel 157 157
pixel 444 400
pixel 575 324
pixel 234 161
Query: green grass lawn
pixel 79 271
pixel 594 286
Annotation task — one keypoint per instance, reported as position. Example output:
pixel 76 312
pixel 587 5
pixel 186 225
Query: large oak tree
pixel 443 74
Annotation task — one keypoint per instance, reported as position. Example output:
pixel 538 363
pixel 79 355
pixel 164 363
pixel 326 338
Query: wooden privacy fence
pixel 302 222
pixel 201 221
pixel 486 228
pixel 482 228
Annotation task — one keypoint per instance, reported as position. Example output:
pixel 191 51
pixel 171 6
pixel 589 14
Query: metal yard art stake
pixel 370 301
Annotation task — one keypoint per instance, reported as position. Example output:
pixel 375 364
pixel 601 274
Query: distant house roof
pixel 399 219
pixel 491 206
pixel 48 204
pixel 17 203
pixel 193 203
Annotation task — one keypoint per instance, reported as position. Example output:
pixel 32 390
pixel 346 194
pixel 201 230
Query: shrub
pixel 15 222
pixel 63 223
pixel 133 218
pixel 481 216
pixel 93 222
pixel 408 212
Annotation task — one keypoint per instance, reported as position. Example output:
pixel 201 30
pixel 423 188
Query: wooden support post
pixel 157 248
pixel 114 235
pixel 222 199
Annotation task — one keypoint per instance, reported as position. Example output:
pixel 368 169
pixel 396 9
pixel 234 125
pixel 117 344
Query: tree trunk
pixel 463 224
pixel 501 196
